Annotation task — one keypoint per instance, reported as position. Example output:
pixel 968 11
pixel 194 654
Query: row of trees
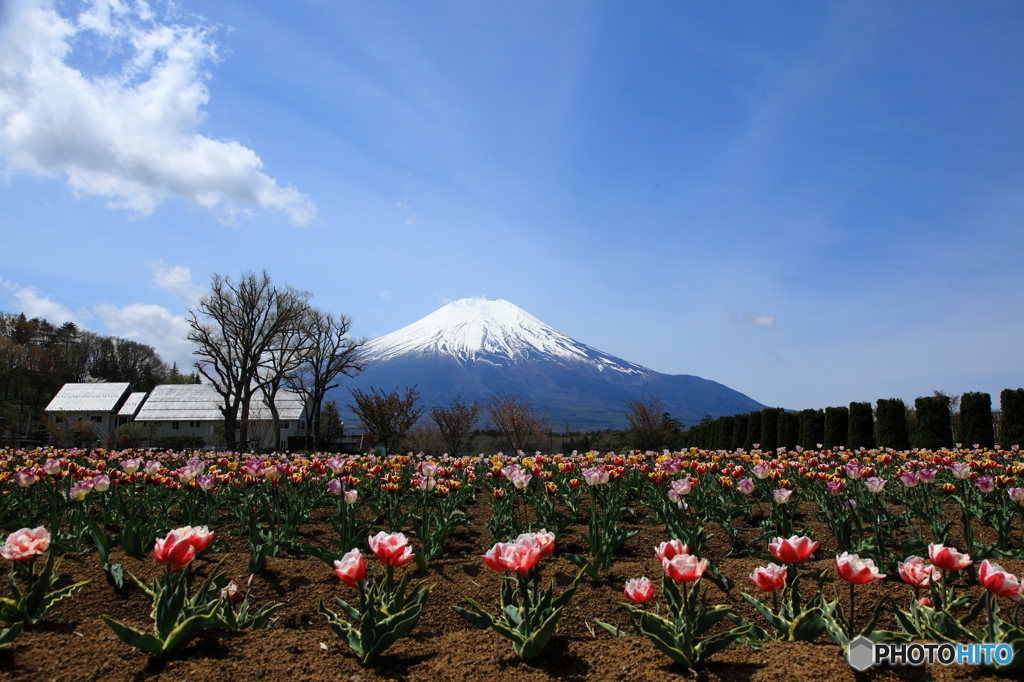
pixel 891 424
pixel 390 416
pixel 37 358
pixel 255 339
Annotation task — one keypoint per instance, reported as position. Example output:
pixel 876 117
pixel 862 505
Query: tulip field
pixel 142 564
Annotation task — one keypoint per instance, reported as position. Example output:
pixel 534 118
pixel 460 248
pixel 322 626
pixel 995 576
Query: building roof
pixel 92 397
pixel 201 402
pixel 131 406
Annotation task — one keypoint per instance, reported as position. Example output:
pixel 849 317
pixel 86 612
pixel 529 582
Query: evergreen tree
pixel 812 429
pixel 739 431
pixel 933 432
pixel 975 423
pixel 753 431
pixel 1011 421
pixel 837 421
pixel 892 424
pixel 788 430
pixel 770 429
pixel 861 429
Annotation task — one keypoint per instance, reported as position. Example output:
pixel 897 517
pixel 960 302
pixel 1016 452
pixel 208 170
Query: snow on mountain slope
pixel 493 331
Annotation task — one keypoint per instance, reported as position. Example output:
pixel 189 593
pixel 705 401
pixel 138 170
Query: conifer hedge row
pixel 858 426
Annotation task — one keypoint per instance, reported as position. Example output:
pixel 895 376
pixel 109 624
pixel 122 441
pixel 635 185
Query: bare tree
pixel 651 424
pixel 455 423
pixel 235 326
pixel 331 353
pixel 388 416
pixel 517 419
pixel 280 365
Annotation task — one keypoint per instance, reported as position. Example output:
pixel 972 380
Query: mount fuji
pixel 474 347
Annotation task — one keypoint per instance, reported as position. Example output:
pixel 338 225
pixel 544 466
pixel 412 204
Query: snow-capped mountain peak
pixel 493 331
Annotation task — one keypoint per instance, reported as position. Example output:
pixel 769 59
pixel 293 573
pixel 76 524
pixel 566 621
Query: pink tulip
pixel 875 484
pixel 769 578
pixel 781 495
pixel 174 551
pixel 545 541
pixel 960 471
pixel 667 550
pixel 794 550
pixel 335 487
pixel 519 556
pixel 997 581
pixel 684 568
pixel 26 544
pixel 351 496
pixel 391 549
pixel 639 590
pixel 853 569
pixel 947 558
pixel 351 570
pixel 745 486
pixel 233 593
pixel 79 489
pixel 596 476
pixel 919 574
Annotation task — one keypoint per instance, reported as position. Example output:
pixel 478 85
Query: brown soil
pixel 73 643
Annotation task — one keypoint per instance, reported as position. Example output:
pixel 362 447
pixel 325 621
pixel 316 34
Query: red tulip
pixel 351 569
pixel 997 581
pixel 667 550
pixel 794 550
pixel 684 568
pixel 769 578
pixel 174 551
pixel 855 570
pixel 947 558
pixel 493 557
pixel 639 590
pixel 391 549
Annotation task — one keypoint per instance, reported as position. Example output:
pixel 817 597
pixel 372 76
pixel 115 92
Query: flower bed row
pixel 129 500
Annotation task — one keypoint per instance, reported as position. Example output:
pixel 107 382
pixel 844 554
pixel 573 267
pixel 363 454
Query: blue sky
pixel 812 203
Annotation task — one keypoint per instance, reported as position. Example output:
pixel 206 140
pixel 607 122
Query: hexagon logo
pixel 862 654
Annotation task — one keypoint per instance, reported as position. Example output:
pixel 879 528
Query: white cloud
pixel 128 135
pixel 152 325
pixel 385 294
pixel 177 280
pixel 146 323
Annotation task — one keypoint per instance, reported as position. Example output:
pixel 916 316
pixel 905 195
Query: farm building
pixel 194 410
pixel 98 403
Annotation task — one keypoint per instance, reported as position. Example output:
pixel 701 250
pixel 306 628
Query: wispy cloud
pixel 385 294
pixel 28 301
pixel 753 319
pixel 128 135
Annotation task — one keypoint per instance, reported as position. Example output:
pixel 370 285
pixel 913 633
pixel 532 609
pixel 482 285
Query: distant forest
pixel 37 358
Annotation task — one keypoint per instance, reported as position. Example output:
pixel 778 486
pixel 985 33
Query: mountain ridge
pixel 474 347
